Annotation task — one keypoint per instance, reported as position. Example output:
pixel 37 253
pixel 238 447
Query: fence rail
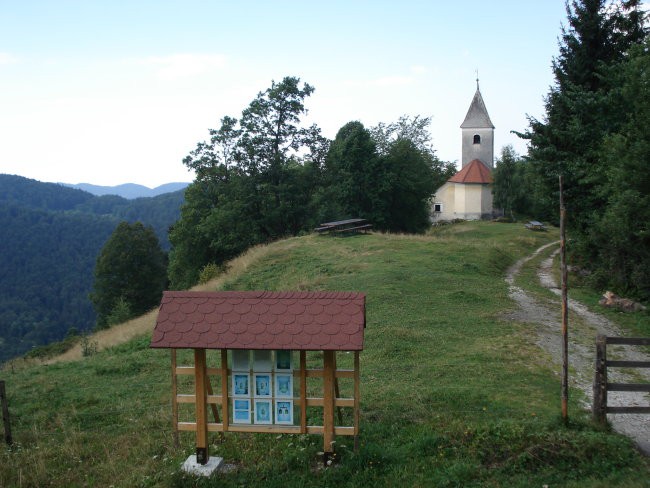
pixel 602 386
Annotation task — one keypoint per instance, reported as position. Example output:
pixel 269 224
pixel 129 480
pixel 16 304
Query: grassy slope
pixel 451 394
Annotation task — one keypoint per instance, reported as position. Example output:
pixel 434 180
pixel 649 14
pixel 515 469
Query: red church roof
pixel 261 320
pixel 476 171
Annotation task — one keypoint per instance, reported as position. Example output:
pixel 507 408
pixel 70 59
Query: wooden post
pixel 200 373
pixel 303 392
pixel 5 413
pixel 357 397
pixel 337 393
pixel 328 404
pixel 599 408
pixel 565 310
pixel 213 407
pixel 224 388
pixel 174 401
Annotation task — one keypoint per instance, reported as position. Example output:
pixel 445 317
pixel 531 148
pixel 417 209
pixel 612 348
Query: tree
pixel 411 183
pixel 386 174
pixel 506 185
pixel 254 182
pixel 356 183
pixel 130 273
pixel 617 245
pixel 582 108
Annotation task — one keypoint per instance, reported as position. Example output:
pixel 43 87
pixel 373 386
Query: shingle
pixel 261 320
pixel 476 171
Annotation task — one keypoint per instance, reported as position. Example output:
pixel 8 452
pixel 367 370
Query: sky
pixel 110 92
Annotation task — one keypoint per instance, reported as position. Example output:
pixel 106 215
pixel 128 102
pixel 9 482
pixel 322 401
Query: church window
pixel 477 139
pixel 437 207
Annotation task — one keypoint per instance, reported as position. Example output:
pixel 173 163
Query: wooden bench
pixel 343 226
pixel 355 229
pixel 535 225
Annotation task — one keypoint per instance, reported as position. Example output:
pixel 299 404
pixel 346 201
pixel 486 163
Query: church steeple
pixel 478 132
pixel 477 116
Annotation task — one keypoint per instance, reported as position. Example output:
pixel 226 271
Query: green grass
pixel 451 394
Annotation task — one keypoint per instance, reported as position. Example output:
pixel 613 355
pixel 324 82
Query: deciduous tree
pixel 130 274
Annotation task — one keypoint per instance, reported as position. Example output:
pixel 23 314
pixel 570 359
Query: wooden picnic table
pixel 342 226
pixel 535 225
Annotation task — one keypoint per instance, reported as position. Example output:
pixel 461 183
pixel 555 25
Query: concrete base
pixel 192 467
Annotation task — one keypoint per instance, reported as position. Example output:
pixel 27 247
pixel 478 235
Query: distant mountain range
pixel 128 190
pixel 50 237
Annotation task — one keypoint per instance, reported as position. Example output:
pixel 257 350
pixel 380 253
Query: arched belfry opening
pixel 477 139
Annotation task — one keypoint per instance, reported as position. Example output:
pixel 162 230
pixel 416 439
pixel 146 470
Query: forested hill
pixel 50 236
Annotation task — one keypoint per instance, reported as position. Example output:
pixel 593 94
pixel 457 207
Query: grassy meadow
pixel 452 394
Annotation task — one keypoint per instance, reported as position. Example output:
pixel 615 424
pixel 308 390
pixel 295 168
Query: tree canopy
pixel 591 134
pixel 267 175
pixel 131 271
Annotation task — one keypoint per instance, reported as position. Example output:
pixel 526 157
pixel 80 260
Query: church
pixel 468 194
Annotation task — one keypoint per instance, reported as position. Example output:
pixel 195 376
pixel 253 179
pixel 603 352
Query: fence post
pixel 5 413
pixel 600 381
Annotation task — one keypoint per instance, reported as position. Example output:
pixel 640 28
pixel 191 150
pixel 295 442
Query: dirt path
pixel 584 325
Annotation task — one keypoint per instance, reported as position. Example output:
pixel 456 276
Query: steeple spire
pixel 477 89
pixel 477 115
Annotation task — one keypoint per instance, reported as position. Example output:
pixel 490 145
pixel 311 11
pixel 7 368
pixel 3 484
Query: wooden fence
pixel 602 386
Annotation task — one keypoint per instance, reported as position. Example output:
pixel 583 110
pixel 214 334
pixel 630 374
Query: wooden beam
pixel 200 381
pixel 303 392
pixel 628 364
pixel 174 401
pixel 599 408
pixel 630 341
pixel 328 403
pixel 639 387
pixel 357 397
pixel 224 388
pixel 4 402
pixel 337 393
pixel 636 410
pixel 213 397
pixel 565 309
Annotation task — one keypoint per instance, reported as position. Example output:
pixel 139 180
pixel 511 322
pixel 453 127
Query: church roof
pixel 477 116
pixel 476 171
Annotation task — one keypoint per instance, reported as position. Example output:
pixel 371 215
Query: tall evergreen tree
pixel 618 244
pixel 581 108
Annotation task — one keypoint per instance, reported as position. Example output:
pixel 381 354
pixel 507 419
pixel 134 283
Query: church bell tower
pixel 478 133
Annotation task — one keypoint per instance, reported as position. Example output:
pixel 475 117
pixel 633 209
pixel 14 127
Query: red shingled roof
pixel 476 171
pixel 261 320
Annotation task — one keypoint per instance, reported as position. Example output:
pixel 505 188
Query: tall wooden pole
pixel 565 309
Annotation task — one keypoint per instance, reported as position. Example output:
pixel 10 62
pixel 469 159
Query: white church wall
pixel 487 201
pixel 443 203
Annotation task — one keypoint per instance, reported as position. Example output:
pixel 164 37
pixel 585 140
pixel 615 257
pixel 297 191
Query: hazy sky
pixel 109 92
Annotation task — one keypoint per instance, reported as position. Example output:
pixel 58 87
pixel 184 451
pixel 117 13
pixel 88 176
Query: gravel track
pixel 584 326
